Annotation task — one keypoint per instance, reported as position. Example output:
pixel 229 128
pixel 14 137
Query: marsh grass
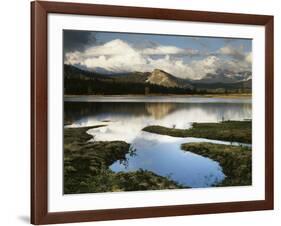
pixel 236 161
pixel 86 166
pixel 233 131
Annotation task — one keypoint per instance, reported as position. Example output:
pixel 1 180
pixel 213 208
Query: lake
pixel 126 116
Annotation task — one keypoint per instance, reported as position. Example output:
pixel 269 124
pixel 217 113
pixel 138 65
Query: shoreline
pixel 236 161
pixel 242 95
pixel 87 166
pixel 232 131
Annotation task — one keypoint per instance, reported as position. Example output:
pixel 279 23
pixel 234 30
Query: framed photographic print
pixel 147 112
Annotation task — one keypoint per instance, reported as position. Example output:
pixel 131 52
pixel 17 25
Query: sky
pixel 185 57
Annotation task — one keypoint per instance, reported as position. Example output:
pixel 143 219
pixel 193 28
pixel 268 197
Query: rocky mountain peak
pixel 162 78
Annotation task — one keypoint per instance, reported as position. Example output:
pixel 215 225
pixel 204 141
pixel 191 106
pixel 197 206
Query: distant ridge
pixel 156 81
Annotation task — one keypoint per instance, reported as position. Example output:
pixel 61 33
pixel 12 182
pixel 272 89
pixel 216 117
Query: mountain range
pixel 158 80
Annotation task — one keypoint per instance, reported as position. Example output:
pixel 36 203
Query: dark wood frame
pixel 39 109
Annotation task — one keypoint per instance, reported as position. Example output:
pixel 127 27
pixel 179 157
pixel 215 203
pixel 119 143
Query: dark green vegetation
pixel 239 131
pixel 236 161
pixel 81 82
pixel 86 166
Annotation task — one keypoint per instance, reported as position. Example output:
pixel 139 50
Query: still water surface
pixel 125 117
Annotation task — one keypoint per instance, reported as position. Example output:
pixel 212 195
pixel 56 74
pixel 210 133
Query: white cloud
pixel 232 51
pixel 119 56
pixel 169 50
pixel 249 58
